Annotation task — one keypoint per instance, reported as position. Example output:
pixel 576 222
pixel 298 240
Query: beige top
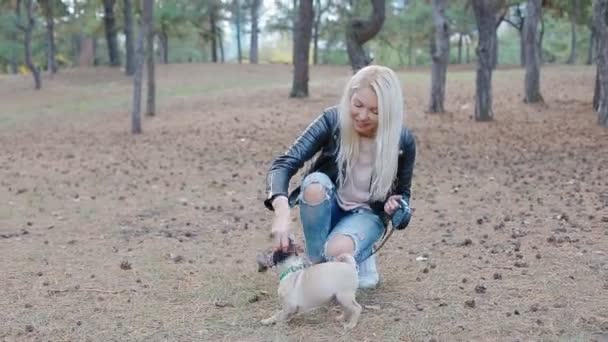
pixel 356 191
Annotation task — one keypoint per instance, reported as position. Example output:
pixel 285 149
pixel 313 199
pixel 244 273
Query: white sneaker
pixel 368 274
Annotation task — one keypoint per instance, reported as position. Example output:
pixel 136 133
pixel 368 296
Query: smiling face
pixel 364 111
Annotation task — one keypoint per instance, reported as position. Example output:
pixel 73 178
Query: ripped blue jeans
pixel 321 221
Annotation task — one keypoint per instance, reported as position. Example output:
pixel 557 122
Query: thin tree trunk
pixel 302 44
pixel 596 91
pixel 237 5
pixel 440 56
pixel 600 17
pixel 148 16
pixel 460 48
pixel 486 25
pixel 468 50
pixel 494 51
pixel 110 28
pixel 359 31
pixel 592 43
pixel 27 30
pixel 50 37
pixel 164 42
pixel 137 78
pixel 410 49
pixel 522 49
pixel 542 35
pixel 532 81
pixel 573 18
pixel 315 32
pixel 128 30
pixel 221 42
pixel 253 47
pixel 294 31
pixel 213 27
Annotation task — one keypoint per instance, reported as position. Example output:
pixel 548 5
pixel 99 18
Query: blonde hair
pixel 385 84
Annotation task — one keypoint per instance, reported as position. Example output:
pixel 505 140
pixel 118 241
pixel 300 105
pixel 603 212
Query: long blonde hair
pixel 385 84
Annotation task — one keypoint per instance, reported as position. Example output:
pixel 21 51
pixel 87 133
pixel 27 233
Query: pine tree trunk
pixel 359 31
pixel 28 29
pixel 164 42
pixel 137 78
pixel 532 81
pixel 410 50
pixel 253 47
pixel 316 33
pixel 460 48
pixel 302 44
pixel 213 27
pixel 148 16
pixel 592 43
pixel 542 35
pixel 294 31
pixel 486 25
pixel 494 51
pixel 220 39
pixel 110 28
pixel 573 18
pixel 237 5
pixel 600 19
pixel 468 51
pixel 522 48
pixel 440 56
pixel 50 37
pixel 596 91
pixel 128 30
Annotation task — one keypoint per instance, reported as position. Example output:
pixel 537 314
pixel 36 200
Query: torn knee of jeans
pixel 315 193
pixel 333 257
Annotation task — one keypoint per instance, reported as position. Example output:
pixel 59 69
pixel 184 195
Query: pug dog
pixel 304 286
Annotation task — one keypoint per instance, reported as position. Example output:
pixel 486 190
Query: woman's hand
pixel 280 224
pixel 392 204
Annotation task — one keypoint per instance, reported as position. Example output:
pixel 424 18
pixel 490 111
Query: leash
pixel 387 234
pixel 398 217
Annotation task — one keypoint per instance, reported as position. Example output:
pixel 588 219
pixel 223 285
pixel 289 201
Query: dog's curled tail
pixel 347 258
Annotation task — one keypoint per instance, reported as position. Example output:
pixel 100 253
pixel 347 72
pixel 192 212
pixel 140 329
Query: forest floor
pixel 106 236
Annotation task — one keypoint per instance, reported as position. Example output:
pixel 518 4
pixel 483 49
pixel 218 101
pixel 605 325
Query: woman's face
pixel 364 111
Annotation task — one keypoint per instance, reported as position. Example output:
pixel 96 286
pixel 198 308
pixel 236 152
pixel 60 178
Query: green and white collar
pixel 290 270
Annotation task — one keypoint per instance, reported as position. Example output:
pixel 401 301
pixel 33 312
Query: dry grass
pixel 182 205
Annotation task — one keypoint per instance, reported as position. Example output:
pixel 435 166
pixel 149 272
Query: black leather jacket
pixel 323 135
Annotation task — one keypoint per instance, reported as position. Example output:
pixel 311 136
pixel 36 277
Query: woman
pixel 347 211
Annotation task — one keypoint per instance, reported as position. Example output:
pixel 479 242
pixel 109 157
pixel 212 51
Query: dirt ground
pixel 105 236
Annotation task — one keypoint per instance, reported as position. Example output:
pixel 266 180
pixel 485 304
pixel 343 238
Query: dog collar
pixel 290 270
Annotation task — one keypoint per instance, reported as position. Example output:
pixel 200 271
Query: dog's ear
pixel 280 256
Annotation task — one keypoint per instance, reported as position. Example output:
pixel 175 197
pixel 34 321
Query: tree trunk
pixel 359 31
pixel 110 27
pixel 532 82
pixel 50 37
pixel 86 51
pixel 542 35
pixel 237 8
pixel 485 12
pixel 27 30
pixel 440 57
pixel 315 32
pixel 596 91
pixel 164 42
pixel 148 17
pixel 592 43
pixel 522 49
pixel 600 18
pixel 14 63
pixel 253 47
pixel 467 50
pixel 128 30
pixel 294 31
pixel 410 49
pixel 213 27
pixel 220 39
pixel 460 48
pixel 573 18
pixel 137 78
pixel 302 44
pixel 494 51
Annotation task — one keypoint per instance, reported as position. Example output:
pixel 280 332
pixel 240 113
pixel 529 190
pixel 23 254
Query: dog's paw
pixel 350 325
